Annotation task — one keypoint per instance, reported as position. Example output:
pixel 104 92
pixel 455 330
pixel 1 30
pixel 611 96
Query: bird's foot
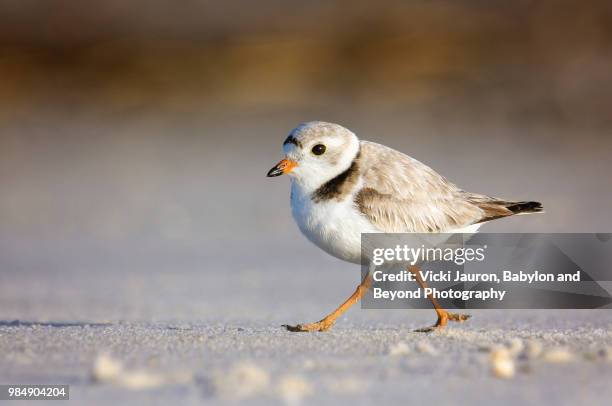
pixel 431 329
pixel 310 327
pixel 442 320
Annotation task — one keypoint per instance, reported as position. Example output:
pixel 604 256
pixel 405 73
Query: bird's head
pixel 316 152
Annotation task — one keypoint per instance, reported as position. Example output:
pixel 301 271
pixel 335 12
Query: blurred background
pixel 135 137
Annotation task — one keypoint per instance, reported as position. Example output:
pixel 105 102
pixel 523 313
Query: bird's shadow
pixel 56 324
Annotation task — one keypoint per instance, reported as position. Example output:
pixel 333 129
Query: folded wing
pixel 400 194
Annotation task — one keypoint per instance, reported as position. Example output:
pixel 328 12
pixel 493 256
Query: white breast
pixel 334 226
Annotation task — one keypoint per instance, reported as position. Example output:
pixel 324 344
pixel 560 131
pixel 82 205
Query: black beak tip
pixel 274 172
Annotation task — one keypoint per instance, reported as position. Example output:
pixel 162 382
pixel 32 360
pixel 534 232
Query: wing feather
pixel 401 194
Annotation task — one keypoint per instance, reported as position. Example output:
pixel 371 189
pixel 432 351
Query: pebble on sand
pixel 533 349
pixel 106 368
pixel 426 348
pixel 242 381
pixel 515 346
pixel 399 349
pixel 138 380
pixel 502 363
pixel 292 389
pixel 558 355
pixel 109 370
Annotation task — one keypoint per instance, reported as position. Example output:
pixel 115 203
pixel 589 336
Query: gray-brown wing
pixel 400 194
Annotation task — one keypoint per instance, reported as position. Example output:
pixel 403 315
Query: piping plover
pixel 342 187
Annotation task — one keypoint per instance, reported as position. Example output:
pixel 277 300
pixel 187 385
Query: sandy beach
pixel 159 338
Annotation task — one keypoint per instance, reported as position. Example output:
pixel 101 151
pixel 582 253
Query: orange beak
pixel 281 168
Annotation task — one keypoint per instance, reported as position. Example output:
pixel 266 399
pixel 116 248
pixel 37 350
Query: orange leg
pixel 329 320
pixel 443 315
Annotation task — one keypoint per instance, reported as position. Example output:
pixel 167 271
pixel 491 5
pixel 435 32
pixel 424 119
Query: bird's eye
pixel 318 149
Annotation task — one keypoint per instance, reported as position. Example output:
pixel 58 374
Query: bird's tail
pixel 524 207
pixel 494 208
